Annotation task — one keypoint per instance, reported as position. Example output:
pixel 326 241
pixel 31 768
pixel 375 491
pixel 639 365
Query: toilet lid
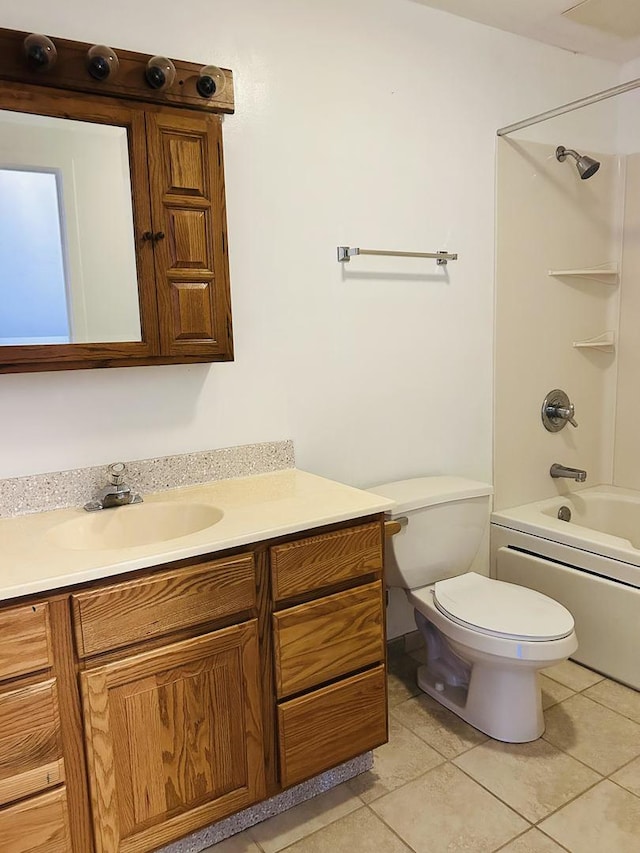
pixel 502 609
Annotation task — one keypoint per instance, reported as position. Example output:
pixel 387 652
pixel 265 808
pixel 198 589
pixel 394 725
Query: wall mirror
pixel 66 233
pixel 113 243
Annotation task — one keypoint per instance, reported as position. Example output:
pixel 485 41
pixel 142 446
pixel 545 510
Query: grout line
pixel 430 745
pixel 391 829
pixel 555 840
pixel 609 708
pixel 319 829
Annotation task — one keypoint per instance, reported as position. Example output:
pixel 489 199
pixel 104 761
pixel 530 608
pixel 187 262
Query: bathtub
pixel 591 564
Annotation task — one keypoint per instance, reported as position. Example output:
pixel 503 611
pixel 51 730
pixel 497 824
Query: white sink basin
pixel 138 524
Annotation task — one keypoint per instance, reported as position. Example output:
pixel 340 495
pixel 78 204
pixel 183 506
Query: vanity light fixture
pixel 160 73
pixel 211 81
pixel 40 52
pixel 102 62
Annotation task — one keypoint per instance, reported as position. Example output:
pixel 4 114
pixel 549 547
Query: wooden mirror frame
pixel 171 295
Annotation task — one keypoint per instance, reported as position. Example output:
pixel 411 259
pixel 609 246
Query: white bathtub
pixel 591 564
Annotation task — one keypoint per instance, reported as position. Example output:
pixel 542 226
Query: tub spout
pixel 576 474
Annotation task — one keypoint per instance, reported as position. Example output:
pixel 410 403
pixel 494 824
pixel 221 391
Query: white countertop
pixel 255 508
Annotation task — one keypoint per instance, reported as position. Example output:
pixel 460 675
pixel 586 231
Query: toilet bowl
pixel 486 639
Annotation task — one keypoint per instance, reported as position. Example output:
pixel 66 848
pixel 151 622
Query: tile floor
pixel 440 785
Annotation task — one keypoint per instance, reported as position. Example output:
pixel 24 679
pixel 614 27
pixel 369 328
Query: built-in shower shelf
pixel 606 342
pixel 607 274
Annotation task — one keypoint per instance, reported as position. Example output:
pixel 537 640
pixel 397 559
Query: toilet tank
pixel 446 520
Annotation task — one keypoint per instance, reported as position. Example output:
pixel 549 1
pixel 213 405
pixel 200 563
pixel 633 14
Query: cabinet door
pixel 174 739
pixel 190 240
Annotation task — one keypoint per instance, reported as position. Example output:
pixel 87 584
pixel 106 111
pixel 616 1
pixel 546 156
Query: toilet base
pixel 504 703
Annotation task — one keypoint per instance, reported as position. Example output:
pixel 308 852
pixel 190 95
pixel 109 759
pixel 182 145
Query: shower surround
pixel 551 221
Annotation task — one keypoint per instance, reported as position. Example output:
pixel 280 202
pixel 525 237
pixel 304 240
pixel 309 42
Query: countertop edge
pixel 307 519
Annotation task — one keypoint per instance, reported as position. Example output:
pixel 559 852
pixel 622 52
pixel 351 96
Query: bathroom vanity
pixel 150 690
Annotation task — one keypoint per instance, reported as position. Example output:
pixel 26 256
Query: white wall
pixel 362 123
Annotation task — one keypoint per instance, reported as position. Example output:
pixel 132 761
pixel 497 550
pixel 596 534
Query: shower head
pixel 586 166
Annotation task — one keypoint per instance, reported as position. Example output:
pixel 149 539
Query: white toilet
pixel 486 639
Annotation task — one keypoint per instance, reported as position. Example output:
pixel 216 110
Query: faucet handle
pixel 566 414
pixel 557 411
pixel 116 473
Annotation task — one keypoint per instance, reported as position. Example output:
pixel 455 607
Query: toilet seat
pixel 500 609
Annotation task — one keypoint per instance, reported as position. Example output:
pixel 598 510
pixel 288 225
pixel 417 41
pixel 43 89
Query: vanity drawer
pixel 328 638
pixel 38 825
pixel 30 748
pixel 26 640
pixel 331 725
pixel 132 611
pixel 320 561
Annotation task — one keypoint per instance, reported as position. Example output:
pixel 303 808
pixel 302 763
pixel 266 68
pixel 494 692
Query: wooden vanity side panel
pixel 132 611
pixel 25 640
pixel 328 638
pixel 331 725
pixel 30 746
pixel 36 825
pixel 320 561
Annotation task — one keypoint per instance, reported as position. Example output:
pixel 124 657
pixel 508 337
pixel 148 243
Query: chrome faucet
pixel 116 494
pixel 576 474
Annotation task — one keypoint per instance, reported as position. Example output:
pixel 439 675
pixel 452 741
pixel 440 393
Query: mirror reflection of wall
pixel 67 253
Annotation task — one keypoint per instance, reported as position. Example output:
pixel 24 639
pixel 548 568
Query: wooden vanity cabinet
pixel 329 650
pixel 174 733
pixel 189 691
pixel 34 815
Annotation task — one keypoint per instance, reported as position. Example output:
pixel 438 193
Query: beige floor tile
pixel 533 778
pixel 437 726
pixel 604 820
pixel 629 777
pixel 290 826
pixel 413 641
pixel 533 841
pixel 401 680
pixel 404 758
pixel 419 655
pixel 616 696
pixel 573 675
pixel 552 692
pixel 241 843
pixel 359 832
pixel 444 810
pixel 592 733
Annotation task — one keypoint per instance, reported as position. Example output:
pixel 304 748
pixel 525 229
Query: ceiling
pixel 607 29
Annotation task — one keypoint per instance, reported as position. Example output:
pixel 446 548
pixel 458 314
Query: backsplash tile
pixel 42 492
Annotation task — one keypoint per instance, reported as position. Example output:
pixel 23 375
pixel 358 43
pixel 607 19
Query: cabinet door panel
pixel 189 242
pixel 190 310
pixel 174 739
pixel 30 747
pixel 188 206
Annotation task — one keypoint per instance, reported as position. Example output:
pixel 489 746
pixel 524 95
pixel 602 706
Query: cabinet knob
pixel 149 236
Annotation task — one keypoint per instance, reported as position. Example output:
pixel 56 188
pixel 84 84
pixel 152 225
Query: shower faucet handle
pixel 566 413
pixel 557 411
